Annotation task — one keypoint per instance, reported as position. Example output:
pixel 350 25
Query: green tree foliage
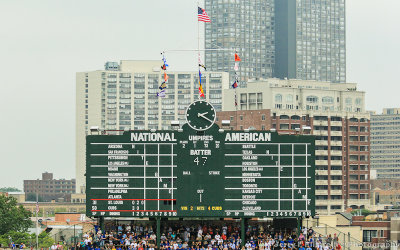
pixel 13 217
pixel 364 212
pixel 16 237
pixel 9 189
pixel 45 240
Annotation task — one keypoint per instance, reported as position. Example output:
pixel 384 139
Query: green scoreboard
pixel 197 172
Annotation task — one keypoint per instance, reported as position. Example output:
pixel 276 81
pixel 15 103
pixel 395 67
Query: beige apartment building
pixel 124 96
pixel 385 143
pixel 334 113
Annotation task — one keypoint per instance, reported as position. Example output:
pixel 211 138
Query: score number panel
pixel 268 179
pixel 134 179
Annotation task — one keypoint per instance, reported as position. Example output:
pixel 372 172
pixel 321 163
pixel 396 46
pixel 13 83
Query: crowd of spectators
pixel 204 236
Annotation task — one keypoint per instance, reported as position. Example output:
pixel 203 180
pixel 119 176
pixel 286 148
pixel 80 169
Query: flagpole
pixel 198 47
pixel 37 225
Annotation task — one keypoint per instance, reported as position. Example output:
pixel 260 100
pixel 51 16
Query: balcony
pixel 321 172
pixel 321 152
pixel 321 202
pixel 321 192
pixel 336 123
pixel 336 172
pixel 336 133
pixel 336 192
pixel 336 182
pixel 336 162
pixel 321 182
pixel 357 202
pixel 320 132
pixel 336 153
pixel 320 123
pixel 336 143
pixel 321 162
pixel 336 202
pixel 321 143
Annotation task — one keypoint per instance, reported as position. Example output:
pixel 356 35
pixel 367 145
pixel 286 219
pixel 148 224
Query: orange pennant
pixel 237 58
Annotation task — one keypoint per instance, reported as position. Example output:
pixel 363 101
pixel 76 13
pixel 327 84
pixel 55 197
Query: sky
pixel 43 43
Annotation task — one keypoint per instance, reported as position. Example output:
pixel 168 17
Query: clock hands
pixel 202 116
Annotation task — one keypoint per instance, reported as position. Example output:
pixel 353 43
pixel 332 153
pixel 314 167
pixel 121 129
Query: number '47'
pixel 198 161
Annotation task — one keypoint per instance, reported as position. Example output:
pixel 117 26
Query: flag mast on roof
pixel 201 17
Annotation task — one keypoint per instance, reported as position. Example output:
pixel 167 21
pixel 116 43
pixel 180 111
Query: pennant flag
pixel 202 65
pixel 202 15
pixel 235 85
pixel 164 67
pixel 161 93
pixel 165 77
pixel 237 58
pixel 201 92
pixel 164 60
pixel 236 68
pixel 163 86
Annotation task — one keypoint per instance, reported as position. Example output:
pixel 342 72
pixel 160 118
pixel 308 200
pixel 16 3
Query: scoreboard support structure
pixel 158 232
pixel 243 226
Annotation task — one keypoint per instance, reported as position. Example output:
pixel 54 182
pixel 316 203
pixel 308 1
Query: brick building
pixel 48 188
pixel 334 113
pixel 374 232
pixel 385 184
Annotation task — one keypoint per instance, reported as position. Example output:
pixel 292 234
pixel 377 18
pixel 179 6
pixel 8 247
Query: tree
pixel 16 237
pixel 45 240
pixel 9 189
pixel 13 217
pixel 364 212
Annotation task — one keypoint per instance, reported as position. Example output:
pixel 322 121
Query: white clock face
pixel 200 115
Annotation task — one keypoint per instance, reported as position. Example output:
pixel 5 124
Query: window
pixel 295 117
pixel 358 101
pixel 289 98
pixel 262 117
pixel 368 235
pixel 349 101
pixel 231 118
pixel 327 100
pixel 312 99
pixel 284 117
pixel 241 117
pixel 278 98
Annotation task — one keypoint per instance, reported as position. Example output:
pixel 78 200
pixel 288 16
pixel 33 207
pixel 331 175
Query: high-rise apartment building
pixel 334 113
pixel 295 39
pixel 385 143
pixel 247 25
pixel 124 96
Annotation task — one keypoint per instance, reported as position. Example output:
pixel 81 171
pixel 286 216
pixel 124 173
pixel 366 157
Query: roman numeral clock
pixel 200 115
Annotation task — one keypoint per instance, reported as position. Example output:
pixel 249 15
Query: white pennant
pixel 236 68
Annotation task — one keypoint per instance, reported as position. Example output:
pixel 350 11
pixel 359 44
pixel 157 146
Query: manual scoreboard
pixel 191 173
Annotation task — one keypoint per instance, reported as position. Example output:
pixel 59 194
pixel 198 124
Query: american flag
pixel 202 15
